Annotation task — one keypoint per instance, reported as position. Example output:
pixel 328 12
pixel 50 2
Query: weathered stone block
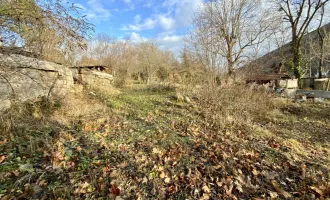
pixel 24 78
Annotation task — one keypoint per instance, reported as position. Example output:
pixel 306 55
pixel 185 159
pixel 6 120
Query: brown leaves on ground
pixel 114 190
pixel 280 190
pixel 174 153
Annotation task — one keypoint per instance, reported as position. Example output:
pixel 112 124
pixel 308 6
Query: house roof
pixel 91 66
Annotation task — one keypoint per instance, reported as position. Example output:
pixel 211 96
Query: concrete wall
pixel 287 83
pixel 317 93
pixel 321 84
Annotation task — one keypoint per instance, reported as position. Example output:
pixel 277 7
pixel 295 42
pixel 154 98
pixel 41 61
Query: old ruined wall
pixel 24 78
pixel 275 61
pixel 92 77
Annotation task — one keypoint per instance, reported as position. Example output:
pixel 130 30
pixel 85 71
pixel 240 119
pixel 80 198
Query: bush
pixel 121 79
pixel 235 104
pixel 163 73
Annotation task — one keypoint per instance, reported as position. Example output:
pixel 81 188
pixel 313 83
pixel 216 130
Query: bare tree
pixel 28 23
pixel 230 27
pixel 148 59
pixel 322 33
pixel 299 14
pixel 141 60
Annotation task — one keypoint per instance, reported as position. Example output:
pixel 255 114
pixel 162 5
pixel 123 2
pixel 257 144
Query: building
pixel 276 62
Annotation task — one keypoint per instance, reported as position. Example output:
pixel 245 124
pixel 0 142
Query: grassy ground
pixel 143 144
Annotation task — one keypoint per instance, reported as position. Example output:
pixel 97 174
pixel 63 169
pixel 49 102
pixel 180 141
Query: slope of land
pixel 141 143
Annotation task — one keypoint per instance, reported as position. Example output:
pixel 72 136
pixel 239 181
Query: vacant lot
pixel 142 143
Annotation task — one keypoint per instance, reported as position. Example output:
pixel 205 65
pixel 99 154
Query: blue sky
pixel 164 21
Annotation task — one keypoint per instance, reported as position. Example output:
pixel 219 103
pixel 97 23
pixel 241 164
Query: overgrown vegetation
pixel 172 126
pixel 144 143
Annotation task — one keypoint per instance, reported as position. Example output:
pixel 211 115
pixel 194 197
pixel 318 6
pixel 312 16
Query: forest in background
pixel 225 35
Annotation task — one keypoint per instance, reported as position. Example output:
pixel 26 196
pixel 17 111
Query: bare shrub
pixel 23 115
pixel 78 106
pixel 121 78
pixel 75 106
pixel 235 104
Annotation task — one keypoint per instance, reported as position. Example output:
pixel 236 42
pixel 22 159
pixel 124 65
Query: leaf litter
pixel 149 149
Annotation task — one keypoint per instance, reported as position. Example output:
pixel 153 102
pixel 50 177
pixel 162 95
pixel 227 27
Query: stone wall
pixel 24 78
pixel 92 77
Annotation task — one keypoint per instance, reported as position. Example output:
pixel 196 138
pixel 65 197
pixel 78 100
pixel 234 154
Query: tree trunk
pixel 230 58
pixel 321 59
pixel 148 80
pixel 148 75
pixel 230 68
pixel 296 58
pixel 320 67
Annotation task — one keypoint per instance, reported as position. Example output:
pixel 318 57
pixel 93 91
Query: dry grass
pixel 236 104
pixel 151 146
pixel 79 106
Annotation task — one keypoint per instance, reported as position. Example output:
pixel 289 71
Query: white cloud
pixel 167 23
pixel 183 10
pixel 179 15
pixel 175 15
pixel 94 10
pixel 130 5
pixel 161 20
pixel 147 4
pixel 147 24
pixel 137 19
pixel 136 38
pixel 173 43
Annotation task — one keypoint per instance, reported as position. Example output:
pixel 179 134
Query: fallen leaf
pixel 206 189
pixel 279 190
pixel 78 148
pixel 42 183
pixel 239 187
pixel 255 172
pixel 303 171
pixel 114 190
pixel 15 172
pixel 122 165
pixel 3 142
pixel 273 195
pixel 317 190
pixel 84 188
pixel 167 180
pixel 229 189
pixel 155 151
pixel 114 174
pixel 6 197
pixel 145 180
pixel 162 175
pixel 160 169
pixel 70 165
pixel 2 158
pixel 290 180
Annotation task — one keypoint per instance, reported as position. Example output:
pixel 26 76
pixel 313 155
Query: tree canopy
pixel 43 26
